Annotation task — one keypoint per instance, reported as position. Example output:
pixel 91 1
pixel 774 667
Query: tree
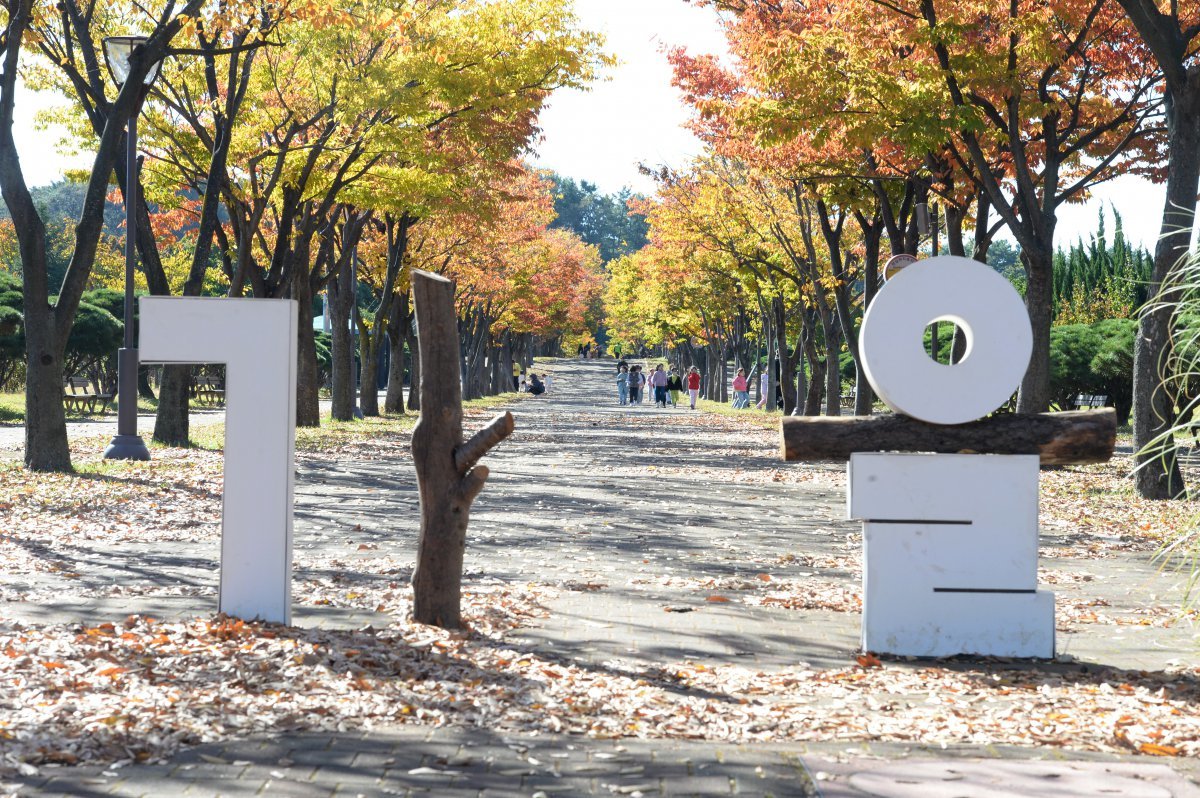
pixel 1173 38
pixel 1026 107
pixel 605 221
pixel 48 326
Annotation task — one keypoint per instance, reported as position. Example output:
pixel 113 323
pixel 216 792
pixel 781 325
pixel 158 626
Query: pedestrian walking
pixel 693 385
pixel 623 385
pixel 549 383
pixel 764 384
pixel 659 380
pixel 516 375
pixel 674 387
pixel 633 385
pixel 741 391
pixel 641 384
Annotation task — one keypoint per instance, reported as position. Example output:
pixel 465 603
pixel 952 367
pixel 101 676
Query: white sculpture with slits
pixel 950 541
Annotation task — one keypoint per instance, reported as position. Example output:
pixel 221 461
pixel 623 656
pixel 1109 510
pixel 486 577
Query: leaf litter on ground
pixel 142 689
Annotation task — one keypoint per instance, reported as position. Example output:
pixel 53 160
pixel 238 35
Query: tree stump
pixel 448 479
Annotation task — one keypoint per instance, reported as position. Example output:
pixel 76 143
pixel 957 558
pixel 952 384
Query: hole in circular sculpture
pixel 951 337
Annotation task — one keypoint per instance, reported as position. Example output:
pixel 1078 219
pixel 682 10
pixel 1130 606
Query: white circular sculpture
pixel 977 299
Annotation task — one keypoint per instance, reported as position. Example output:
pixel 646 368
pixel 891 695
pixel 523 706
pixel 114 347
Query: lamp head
pixel 118 53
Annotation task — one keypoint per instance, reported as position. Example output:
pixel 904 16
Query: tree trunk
pixel 308 379
pixel 1158 475
pixel 46 447
pixel 448 479
pixel 393 401
pixel 833 376
pixel 341 304
pixel 787 362
pixel 414 376
pixel 1071 438
pixel 1034 395
pixel 368 396
pixel 144 389
pixel 172 427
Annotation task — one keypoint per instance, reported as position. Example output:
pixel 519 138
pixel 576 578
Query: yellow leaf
pixel 1154 749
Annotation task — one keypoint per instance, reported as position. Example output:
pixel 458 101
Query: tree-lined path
pixel 626 569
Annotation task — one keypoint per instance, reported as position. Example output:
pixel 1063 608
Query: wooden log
pixel 1072 438
pixel 448 479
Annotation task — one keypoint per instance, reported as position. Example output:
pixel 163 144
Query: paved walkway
pixel 639 522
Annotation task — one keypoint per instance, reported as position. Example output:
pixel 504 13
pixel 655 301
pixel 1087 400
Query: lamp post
pixel 127 445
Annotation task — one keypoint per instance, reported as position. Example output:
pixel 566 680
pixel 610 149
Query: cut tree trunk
pixel 1072 438
pixel 448 479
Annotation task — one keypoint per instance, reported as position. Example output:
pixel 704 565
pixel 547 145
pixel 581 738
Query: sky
pixel 635 116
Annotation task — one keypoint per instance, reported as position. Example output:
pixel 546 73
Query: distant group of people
pixel 667 386
pixel 532 384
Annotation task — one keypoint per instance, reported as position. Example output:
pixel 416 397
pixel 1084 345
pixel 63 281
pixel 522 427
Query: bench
pixel 847 399
pixel 79 398
pixel 1089 401
pixel 209 390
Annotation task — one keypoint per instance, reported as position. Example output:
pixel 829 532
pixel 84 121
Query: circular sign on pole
pixel 895 264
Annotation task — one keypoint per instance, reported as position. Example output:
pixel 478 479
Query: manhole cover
pixel 1009 780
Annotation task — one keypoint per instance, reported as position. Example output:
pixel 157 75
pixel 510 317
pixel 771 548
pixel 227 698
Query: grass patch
pixel 330 435
pixel 767 419
pixel 12 408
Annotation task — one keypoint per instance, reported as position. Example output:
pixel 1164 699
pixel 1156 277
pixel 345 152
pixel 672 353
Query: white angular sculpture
pixel 950 568
pixel 950 541
pixel 256 340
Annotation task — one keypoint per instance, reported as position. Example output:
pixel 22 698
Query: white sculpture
pixel 950 541
pixel 256 340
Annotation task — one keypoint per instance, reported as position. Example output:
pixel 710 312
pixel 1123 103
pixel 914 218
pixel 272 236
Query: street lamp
pixel 119 52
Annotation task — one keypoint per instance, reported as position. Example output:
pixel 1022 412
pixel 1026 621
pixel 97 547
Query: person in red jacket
pixel 693 385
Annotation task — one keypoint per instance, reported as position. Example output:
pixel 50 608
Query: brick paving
pixel 605 502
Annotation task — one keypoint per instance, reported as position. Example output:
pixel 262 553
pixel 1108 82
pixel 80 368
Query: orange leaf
pixel 112 671
pixel 52 665
pixel 717 599
pixel 764 577
pixel 1154 749
pixel 869 660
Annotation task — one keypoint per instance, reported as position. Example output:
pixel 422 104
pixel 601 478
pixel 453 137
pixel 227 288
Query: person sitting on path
pixel 674 387
pixel 741 391
pixel 623 385
pixel 693 385
pixel 659 379
pixel 535 385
